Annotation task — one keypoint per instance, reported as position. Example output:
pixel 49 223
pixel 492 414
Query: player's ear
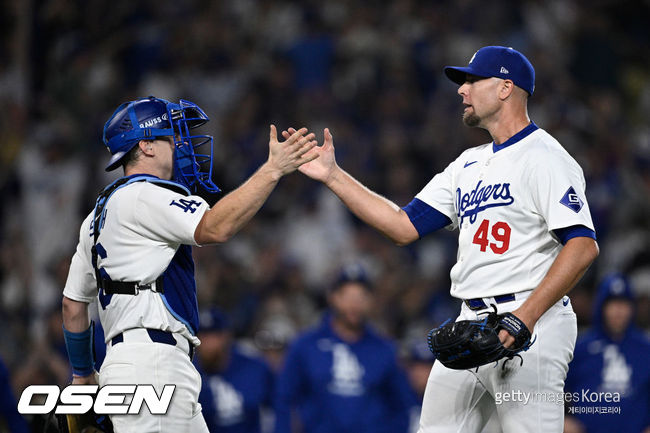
pixel 146 147
pixel 506 87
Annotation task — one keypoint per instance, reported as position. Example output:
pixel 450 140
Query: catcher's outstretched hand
pixel 287 156
pixel 322 168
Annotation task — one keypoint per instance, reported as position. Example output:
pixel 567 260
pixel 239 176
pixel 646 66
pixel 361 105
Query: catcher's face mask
pixel 193 153
pixel 149 118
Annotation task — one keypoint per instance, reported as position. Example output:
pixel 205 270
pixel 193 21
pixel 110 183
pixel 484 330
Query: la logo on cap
pixel 472 59
pixel 618 286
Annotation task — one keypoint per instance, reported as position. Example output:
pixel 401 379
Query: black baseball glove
pixel 85 423
pixel 471 343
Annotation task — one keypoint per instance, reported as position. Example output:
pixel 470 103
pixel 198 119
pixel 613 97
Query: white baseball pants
pixel 526 398
pixel 138 360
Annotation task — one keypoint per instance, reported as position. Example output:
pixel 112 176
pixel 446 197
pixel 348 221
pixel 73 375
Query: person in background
pixel 272 337
pixel 612 357
pixel 236 383
pixel 419 361
pixel 342 376
pixel 9 415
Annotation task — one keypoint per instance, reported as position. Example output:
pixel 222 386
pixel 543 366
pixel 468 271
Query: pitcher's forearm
pixel 565 272
pixel 375 210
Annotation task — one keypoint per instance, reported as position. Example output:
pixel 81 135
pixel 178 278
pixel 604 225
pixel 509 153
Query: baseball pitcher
pixel 525 237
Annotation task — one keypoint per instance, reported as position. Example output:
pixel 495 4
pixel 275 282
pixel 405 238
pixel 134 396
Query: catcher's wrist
pixel 274 172
pixel 80 351
pixel 90 379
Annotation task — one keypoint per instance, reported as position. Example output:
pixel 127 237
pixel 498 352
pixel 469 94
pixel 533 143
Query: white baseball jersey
pixel 147 231
pixel 506 200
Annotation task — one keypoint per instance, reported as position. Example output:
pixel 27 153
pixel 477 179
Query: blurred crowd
pixel 372 73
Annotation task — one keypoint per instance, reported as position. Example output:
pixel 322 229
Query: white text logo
pixel 109 400
pixel 151 122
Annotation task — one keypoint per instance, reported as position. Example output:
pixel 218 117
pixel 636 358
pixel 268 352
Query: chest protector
pixel 176 284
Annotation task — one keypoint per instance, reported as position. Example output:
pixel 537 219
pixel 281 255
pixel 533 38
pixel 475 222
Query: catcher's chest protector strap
pixel 106 284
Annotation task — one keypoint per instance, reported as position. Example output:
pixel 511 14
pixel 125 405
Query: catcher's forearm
pixel 567 269
pixel 78 335
pixel 75 315
pixel 233 211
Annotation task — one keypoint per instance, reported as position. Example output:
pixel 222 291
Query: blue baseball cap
pixel 615 285
pixel 213 320
pixel 352 273
pixel 500 62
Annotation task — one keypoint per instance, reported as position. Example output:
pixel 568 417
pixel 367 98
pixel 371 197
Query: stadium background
pixel 372 73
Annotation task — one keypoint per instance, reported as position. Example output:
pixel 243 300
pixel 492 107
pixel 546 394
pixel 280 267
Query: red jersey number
pixel 500 233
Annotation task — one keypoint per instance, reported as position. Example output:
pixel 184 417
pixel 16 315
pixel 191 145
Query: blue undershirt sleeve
pixel 576 231
pixel 425 218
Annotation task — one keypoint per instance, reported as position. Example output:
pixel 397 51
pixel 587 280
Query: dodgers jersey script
pixel 136 244
pixel 506 200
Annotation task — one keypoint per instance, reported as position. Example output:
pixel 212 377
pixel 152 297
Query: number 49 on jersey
pixel 498 232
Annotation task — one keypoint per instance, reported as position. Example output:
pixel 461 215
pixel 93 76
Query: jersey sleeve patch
pixel 186 204
pixel 571 200
pixel 163 215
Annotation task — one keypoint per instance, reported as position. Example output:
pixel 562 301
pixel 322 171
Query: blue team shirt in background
pixel 8 405
pixel 341 387
pixel 231 399
pixel 602 365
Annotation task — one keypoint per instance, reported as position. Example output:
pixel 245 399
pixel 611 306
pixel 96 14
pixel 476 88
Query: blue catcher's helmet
pixel 150 118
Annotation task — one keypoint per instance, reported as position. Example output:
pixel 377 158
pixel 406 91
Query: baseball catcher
pixel 134 255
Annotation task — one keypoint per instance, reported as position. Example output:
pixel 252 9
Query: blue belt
pixel 478 304
pixel 157 336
